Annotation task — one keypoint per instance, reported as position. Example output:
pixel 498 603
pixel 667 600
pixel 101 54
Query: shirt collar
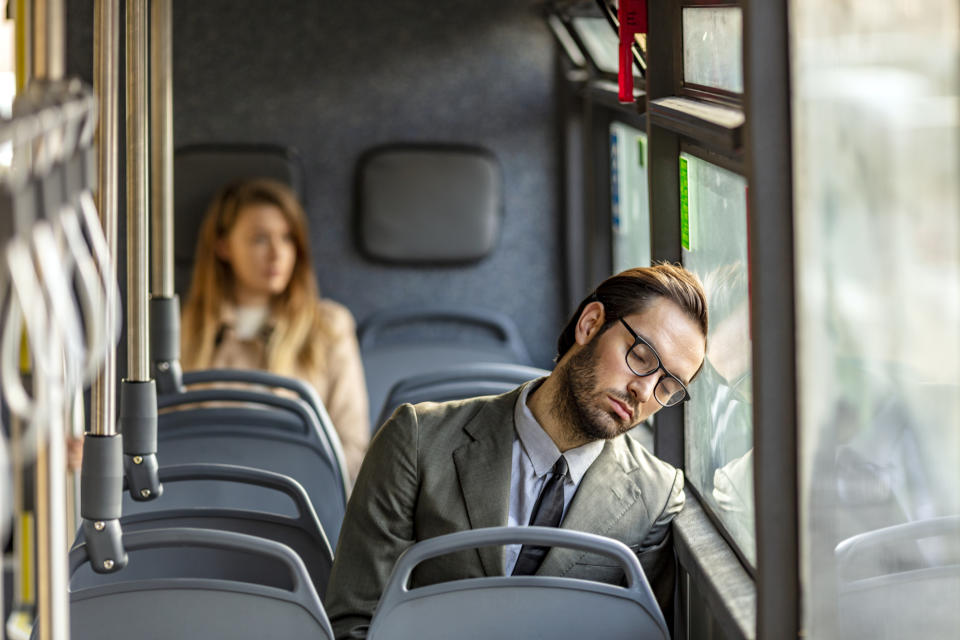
pixel 228 317
pixel 539 446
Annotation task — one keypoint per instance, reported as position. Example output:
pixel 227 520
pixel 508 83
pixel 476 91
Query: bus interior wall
pixel 332 80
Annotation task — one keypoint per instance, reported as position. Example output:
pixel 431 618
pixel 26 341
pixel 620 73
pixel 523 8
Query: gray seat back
pixel 267 380
pixel 279 435
pixel 518 606
pixel 240 499
pixel 901 581
pixel 202 170
pixel 265 594
pixel 458 382
pixel 391 353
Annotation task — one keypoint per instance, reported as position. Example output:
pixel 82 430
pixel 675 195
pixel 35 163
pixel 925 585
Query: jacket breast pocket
pixel 607 573
pixel 593 566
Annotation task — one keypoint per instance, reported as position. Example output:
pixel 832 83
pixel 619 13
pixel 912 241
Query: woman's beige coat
pixel 340 382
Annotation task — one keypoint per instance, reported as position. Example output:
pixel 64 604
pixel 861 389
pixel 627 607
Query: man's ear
pixel 590 322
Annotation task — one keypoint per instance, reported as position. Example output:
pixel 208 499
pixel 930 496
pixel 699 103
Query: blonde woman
pixel 254 304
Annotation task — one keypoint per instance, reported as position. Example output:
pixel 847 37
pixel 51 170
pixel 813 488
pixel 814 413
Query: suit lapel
pixel 605 493
pixel 483 468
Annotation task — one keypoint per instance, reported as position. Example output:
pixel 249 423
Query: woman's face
pixel 261 252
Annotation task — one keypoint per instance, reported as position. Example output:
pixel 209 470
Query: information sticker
pixel 684 206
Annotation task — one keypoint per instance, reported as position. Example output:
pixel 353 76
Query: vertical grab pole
pixel 164 303
pixel 101 476
pixel 138 392
pixel 49 44
pixel 24 496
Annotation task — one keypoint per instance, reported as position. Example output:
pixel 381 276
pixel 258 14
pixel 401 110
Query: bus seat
pixel 241 499
pixel 263 436
pixel 261 589
pixel 458 382
pixel 518 606
pixel 390 354
pixel 202 169
pixel 895 581
pixel 261 380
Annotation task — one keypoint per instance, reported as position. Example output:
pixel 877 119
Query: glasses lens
pixel 669 391
pixel 642 360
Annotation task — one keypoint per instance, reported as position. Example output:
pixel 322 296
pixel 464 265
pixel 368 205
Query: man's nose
pixel 641 387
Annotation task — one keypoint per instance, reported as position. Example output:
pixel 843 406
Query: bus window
pixel 629 199
pixel 876 134
pixel 712 47
pixel 719 421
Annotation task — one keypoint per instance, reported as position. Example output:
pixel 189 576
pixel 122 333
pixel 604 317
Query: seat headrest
pixel 428 204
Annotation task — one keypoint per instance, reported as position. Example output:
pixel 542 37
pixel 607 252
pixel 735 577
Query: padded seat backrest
pixel 518 606
pixel 390 355
pixel 239 499
pixel 228 385
pixel 263 438
pixel 266 593
pixel 260 381
pixel 202 170
pixel 901 581
pixel 287 454
pixel 459 382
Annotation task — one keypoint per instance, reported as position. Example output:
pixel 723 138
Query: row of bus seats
pixel 239 539
pixel 433 205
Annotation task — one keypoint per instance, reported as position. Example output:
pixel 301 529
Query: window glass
pixel 713 47
pixel 876 98
pixel 600 40
pixel 630 204
pixel 718 417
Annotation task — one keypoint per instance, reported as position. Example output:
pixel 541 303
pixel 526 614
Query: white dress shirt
pixel 534 454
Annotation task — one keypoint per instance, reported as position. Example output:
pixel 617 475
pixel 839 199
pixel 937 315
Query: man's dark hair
pixel 633 290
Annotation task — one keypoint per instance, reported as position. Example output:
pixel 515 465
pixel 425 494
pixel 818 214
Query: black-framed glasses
pixel 644 360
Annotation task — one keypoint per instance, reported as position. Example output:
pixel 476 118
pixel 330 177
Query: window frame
pixel 703 92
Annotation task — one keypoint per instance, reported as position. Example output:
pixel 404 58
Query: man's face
pixel 604 397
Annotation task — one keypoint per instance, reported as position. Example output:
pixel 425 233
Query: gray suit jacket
pixel 435 469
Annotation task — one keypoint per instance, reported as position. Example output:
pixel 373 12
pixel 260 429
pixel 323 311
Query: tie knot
pixel 560 467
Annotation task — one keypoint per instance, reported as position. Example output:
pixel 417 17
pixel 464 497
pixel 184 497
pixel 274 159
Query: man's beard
pixel 580 405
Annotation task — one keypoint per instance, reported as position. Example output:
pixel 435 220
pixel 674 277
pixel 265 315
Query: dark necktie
pixel 546 513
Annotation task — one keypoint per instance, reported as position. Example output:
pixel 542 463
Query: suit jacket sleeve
pixel 378 525
pixel 656 553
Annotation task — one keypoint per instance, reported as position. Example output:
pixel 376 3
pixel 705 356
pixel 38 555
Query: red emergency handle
pixel 633 20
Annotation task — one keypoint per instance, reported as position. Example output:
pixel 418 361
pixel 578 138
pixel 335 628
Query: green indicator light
pixel 684 206
pixel 641 152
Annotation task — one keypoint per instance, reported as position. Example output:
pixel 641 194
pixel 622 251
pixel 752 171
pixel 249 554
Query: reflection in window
pixel 719 419
pixel 601 42
pixel 630 204
pixel 713 47
pixel 877 191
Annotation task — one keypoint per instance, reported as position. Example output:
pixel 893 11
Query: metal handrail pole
pixel 49 60
pixel 138 184
pixel 138 399
pixel 161 145
pixel 106 72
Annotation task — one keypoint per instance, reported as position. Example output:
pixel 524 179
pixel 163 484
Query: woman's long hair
pixel 292 347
